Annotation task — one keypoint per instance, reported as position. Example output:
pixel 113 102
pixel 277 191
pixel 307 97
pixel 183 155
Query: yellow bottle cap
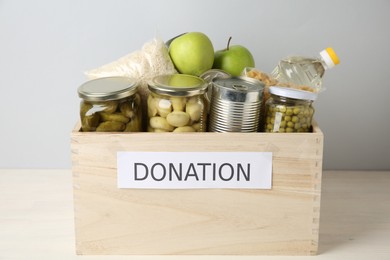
pixel 329 57
pixel 333 55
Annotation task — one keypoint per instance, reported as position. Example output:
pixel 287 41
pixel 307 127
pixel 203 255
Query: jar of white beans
pixel 177 103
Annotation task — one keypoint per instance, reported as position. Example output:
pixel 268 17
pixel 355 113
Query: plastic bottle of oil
pixel 306 71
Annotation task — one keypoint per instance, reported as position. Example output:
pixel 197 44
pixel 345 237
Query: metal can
pixel 177 103
pixel 110 104
pixel 210 75
pixel 289 110
pixel 235 104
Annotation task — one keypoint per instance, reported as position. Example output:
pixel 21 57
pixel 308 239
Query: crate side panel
pixel 282 221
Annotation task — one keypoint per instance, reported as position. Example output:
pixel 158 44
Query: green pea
pixel 289 111
pixel 296 110
pixel 282 109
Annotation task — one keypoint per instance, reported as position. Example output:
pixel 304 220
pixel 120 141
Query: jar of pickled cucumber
pixel 177 103
pixel 110 104
pixel 289 110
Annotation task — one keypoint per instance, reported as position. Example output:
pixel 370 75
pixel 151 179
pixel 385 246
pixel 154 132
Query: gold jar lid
pixel 108 88
pixel 178 85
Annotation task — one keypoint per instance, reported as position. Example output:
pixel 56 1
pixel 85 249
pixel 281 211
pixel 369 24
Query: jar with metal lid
pixel 110 104
pixel 177 103
pixel 289 110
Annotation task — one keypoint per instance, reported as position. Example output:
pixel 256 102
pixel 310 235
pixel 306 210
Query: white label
pixel 278 121
pixel 194 170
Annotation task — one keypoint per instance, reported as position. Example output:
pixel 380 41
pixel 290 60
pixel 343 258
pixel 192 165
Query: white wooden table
pixel 36 217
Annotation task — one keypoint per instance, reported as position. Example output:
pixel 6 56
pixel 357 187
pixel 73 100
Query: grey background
pixel 45 46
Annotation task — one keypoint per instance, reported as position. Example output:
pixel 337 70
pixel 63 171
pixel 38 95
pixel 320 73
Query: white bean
pixel 194 110
pixel 164 107
pixel 157 122
pixel 178 103
pixel 183 129
pixel 152 110
pixel 178 118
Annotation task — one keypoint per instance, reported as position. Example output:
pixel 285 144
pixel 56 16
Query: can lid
pixel 239 84
pixel 108 88
pixel 293 93
pixel 238 89
pixel 177 85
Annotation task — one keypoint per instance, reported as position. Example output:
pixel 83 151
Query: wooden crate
pixel 280 221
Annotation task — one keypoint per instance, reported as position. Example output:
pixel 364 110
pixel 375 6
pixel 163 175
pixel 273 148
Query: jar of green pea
pixel 289 110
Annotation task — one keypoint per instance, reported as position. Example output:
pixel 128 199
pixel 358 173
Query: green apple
pixel 233 59
pixel 192 53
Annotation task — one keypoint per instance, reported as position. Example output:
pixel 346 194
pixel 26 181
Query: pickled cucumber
pixel 127 109
pixel 89 123
pixel 84 108
pixel 114 117
pixel 110 126
pixel 111 116
pixel 109 106
pixel 134 125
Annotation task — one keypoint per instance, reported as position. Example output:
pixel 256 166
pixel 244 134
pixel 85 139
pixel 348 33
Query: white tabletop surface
pixel 36 217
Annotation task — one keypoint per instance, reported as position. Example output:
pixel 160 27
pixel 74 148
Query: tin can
pixel 289 110
pixel 209 76
pixel 177 103
pixel 235 104
pixel 212 74
pixel 110 104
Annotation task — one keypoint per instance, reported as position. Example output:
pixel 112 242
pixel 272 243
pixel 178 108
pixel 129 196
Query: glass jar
pixel 289 110
pixel 110 104
pixel 177 103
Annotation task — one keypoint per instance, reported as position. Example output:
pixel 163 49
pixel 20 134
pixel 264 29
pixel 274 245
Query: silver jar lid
pixel 177 85
pixel 292 93
pixel 108 88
